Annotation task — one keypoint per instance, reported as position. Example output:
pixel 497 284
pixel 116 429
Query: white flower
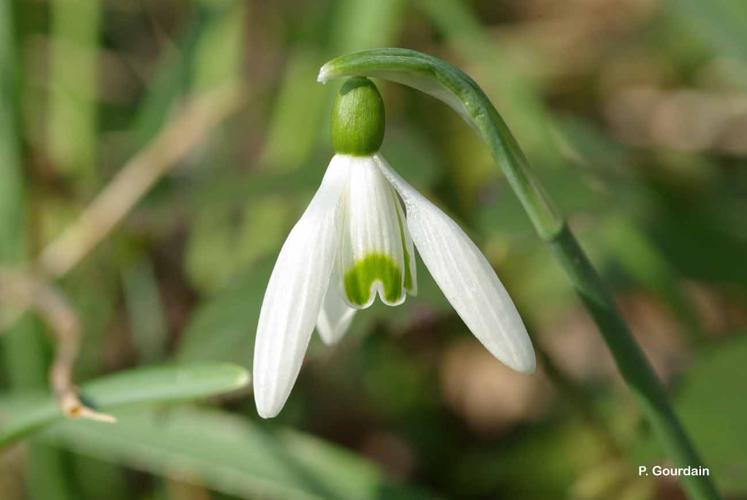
pixel 355 241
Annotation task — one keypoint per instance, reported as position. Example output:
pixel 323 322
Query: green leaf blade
pixel 22 415
pixel 231 455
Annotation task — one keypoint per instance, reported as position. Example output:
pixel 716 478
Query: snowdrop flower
pixel 354 242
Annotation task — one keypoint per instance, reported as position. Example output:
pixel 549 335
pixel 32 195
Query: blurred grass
pixel 84 87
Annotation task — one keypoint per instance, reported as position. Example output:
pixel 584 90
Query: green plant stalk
pixel 24 360
pixel 449 84
pixel 72 122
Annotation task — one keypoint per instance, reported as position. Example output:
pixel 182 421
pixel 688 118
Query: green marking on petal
pixel 366 271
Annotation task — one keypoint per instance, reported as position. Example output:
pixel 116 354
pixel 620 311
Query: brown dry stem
pixel 18 287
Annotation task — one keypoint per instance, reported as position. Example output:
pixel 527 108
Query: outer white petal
pixel 372 253
pixel 465 277
pixel 334 318
pixel 294 294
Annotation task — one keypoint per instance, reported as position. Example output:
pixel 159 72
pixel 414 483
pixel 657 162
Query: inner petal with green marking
pixel 375 254
pixel 374 269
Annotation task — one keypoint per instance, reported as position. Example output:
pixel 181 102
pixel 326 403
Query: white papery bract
pixel 355 241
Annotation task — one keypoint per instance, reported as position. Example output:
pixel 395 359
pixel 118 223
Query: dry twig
pixel 17 287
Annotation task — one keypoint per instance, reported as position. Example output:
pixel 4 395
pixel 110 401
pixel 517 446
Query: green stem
pixel 630 360
pixel 73 69
pixel 449 84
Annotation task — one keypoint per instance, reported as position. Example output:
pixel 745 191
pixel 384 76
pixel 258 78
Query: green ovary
pixel 373 267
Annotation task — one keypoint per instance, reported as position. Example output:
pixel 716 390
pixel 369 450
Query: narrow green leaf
pixel 218 54
pixel 297 113
pixel 22 415
pixel 172 79
pixel 360 24
pixel 74 59
pixel 231 455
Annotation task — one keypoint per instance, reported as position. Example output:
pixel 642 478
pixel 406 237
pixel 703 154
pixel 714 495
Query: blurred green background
pixel 634 115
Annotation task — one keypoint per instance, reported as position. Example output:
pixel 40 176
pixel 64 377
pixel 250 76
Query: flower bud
pixel 358 118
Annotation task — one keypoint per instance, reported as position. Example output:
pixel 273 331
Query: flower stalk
pixel 449 84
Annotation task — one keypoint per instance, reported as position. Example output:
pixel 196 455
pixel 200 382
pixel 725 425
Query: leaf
pixel 229 454
pixel 359 24
pixel 297 110
pixel 223 34
pixel 22 415
pixel 170 80
pixel 74 65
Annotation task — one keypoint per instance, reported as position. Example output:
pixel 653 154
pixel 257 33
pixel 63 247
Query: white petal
pixel 294 294
pixel 411 278
pixel 372 252
pixel 466 277
pixel 334 318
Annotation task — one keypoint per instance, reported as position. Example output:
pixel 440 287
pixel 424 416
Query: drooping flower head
pixel 354 242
